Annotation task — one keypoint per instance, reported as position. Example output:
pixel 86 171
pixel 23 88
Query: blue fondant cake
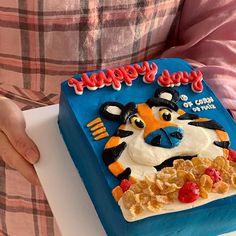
pixel 153 149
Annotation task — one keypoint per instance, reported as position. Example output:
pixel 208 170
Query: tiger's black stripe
pixel 110 155
pixel 169 162
pixel 125 174
pixel 188 116
pixel 210 124
pixel 123 133
pixel 222 144
pixel 156 102
pixel 127 111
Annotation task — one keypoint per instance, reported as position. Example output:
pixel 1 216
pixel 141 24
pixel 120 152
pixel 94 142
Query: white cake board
pixel 66 194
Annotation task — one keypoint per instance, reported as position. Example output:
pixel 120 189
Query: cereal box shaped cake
pixel 154 147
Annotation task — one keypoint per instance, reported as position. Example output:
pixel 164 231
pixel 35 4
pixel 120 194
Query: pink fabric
pixel 207 38
pixel 43 42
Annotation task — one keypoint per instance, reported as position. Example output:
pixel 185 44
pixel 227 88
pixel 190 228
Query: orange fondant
pixel 122 127
pixel 113 141
pixel 116 168
pixel 151 123
pixel 101 136
pixel 201 119
pixel 99 131
pixel 99 125
pixel 117 193
pixel 180 112
pixel 93 122
pixel 222 135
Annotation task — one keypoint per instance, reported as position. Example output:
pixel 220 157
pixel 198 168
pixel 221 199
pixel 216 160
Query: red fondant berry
pixel 189 192
pixel 213 173
pixel 125 185
pixel 232 155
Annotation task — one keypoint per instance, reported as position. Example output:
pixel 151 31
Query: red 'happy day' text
pixel 115 76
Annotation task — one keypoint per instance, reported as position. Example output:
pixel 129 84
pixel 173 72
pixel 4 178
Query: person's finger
pixel 23 145
pixel 12 123
pixel 16 161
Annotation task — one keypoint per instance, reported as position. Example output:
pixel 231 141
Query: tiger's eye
pixel 137 122
pixel 165 114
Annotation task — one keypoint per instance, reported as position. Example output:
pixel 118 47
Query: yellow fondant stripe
pixel 99 131
pixel 103 135
pixel 117 193
pixel 97 128
pixel 93 122
pixel 116 168
pixel 99 125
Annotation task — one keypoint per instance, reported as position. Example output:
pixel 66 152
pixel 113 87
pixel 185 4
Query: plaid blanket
pixel 45 42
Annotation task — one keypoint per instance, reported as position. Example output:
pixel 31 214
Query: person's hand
pixel 16 148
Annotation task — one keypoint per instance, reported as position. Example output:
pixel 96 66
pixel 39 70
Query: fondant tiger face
pixel 155 133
